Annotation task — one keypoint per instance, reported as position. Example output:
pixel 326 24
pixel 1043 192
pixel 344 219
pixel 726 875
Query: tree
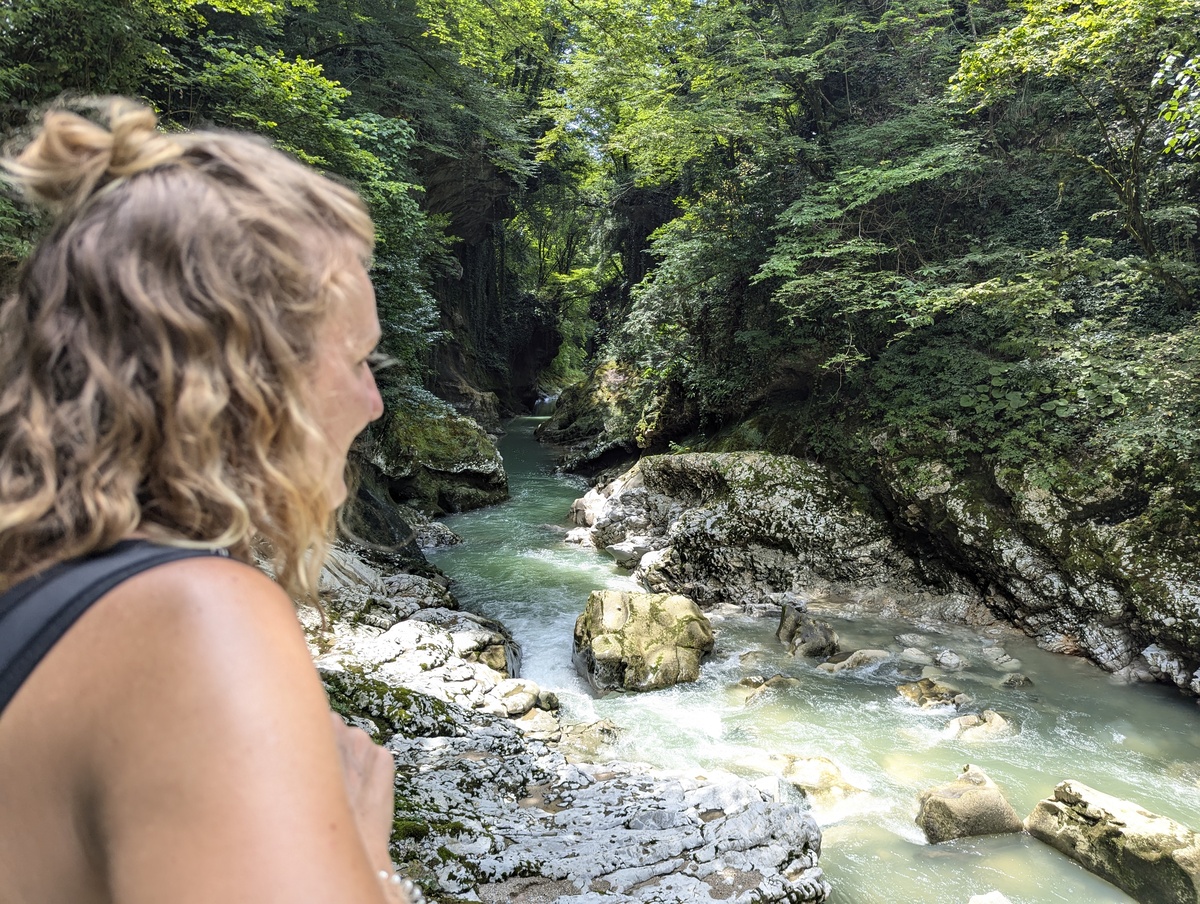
pixel 1106 53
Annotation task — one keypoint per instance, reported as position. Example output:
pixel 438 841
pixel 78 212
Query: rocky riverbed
pixel 918 699
pixel 498 802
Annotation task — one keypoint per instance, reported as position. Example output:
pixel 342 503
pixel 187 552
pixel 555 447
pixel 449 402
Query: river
pixel 1141 742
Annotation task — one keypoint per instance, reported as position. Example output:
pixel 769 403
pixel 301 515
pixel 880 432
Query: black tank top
pixel 35 613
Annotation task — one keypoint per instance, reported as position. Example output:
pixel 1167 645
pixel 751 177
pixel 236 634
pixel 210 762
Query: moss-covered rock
pixel 1149 856
pixel 640 641
pixel 435 459
pixel 1062 563
pixel 617 412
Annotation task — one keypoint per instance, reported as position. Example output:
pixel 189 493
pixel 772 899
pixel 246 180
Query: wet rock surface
pixel 927 692
pixel 640 641
pixel 750 528
pixel 972 804
pixel 490 809
pixel 1152 858
pixel 1069 570
pixel 804 635
pixel 986 726
pixel 746 527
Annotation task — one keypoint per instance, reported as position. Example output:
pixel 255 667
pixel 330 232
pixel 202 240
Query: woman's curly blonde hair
pixel 153 356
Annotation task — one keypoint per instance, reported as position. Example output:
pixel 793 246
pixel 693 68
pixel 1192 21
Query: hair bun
pixel 71 157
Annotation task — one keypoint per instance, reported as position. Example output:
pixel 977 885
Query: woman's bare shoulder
pixel 186 625
pixel 210 632
pixel 185 711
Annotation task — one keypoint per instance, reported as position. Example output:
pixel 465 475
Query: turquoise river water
pixel 1141 743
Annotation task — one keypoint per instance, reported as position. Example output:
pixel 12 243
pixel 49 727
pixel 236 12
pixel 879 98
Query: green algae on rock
pixel 435 459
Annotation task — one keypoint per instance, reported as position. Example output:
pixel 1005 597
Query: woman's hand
pixel 369 774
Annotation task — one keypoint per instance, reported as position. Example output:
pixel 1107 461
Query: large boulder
pixel 972 804
pixel 1150 857
pixel 750 528
pixel 433 458
pixel 640 641
pixel 1079 569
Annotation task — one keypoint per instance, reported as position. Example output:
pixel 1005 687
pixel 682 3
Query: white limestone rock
pixel 915 656
pixel 986 726
pixel 949 660
pixel 455 656
pixel 507 815
pixel 742 526
pixel 629 552
pixel 1150 857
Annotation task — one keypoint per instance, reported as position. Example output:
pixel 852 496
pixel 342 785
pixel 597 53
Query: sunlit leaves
pixel 289 100
pixel 1181 110
pixel 1094 39
pixel 1107 52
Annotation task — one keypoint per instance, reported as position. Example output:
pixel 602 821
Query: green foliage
pixel 245 64
pixel 1181 110
pixel 947 227
pixel 15 227
pixel 1106 53
pixel 288 100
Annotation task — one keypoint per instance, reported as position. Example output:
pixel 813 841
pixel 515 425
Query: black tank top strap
pixel 37 612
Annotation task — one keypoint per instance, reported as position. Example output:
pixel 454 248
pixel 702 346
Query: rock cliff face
pixel 1069 571
pixel 752 528
pixel 747 527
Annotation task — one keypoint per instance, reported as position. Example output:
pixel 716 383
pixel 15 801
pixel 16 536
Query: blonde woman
pixel 183 367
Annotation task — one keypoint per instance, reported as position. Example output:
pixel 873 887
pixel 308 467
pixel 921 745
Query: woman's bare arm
pixel 218 773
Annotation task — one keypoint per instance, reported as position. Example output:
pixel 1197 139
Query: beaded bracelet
pixel 405 884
